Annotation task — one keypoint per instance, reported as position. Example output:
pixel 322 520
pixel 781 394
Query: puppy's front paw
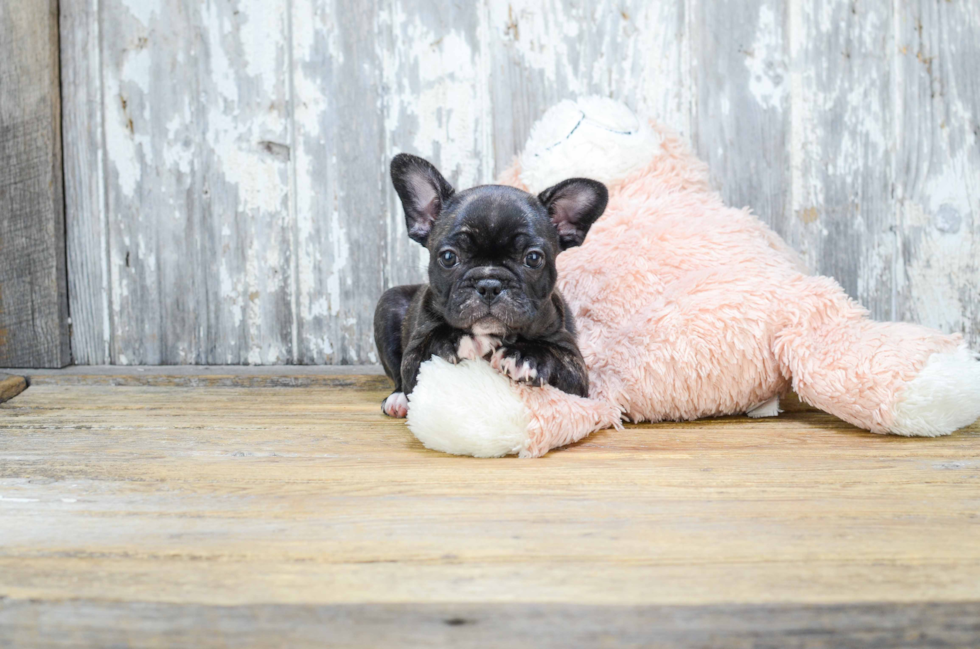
pixel 395 405
pixel 446 350
pixel 512 364
pixel 476 347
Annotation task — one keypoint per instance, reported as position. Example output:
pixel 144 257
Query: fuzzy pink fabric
pixel 687 308
pixel 558 418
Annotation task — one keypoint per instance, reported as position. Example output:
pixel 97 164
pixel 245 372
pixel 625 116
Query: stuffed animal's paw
pixel 523 368
pixel 395 405
pixel 477 347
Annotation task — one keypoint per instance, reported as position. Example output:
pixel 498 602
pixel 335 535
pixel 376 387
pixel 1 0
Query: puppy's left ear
pixel 573 206
pixel 423 192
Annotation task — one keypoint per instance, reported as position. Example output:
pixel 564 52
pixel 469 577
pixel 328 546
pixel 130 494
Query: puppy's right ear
pixel 423 192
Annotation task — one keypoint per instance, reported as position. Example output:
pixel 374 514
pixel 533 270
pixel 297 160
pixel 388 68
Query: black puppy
pixel 491 290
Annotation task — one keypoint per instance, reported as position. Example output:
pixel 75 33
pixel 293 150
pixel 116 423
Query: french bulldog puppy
pixel 491 291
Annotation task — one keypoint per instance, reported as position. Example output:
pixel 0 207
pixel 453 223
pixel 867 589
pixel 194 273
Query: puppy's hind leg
pixel 388 318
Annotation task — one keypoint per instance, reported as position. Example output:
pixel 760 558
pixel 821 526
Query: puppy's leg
pixel 395 405
pixel 388 318
pixel 544 362
pixel 428 340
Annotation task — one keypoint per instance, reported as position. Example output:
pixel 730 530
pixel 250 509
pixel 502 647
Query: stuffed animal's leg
pixel 559 419
pixel 489 415
pixel 885 377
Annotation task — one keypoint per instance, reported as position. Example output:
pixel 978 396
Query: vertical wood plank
pixel 436 64
pixel 33 284
pixel 85 227
pixel 197 163
pixel 843 218
pixel 635 51
pixel 938 167
pixel 341 206
pixel 741 121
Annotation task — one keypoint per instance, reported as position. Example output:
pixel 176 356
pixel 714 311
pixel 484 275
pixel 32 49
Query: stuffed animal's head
pixel 592 137
pixel 492 248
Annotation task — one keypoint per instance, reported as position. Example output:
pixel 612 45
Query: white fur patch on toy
pixel 943 397
pixel 593 137
pixel 467 409
pixel 395 405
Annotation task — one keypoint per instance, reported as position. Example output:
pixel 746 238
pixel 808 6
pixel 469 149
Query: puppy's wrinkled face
pixel 493 248
pixel 492 259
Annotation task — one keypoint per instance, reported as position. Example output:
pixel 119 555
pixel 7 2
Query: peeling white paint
pixel 124 148
pixel 936 271
pixel 137 69
pixel 263 56
pixel 222 73
pixel 539 33
pixel 443 99
pixel 185 116
pixel 766 62
pixel 943 247
pixel 142 10
pixel 341 256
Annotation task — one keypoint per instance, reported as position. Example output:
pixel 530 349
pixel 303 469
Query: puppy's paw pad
pixel 395 405
pixel 476 347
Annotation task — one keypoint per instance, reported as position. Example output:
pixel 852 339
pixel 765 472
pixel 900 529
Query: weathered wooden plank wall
pixel 228 199
pixel 937 171
pixel 33 292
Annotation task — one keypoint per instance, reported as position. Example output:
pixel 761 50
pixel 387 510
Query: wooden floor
pixel 215 515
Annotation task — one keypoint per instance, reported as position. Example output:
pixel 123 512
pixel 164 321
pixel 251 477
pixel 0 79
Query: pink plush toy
pixel 687 308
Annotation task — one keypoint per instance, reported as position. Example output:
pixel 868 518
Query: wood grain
pixel 198 255
pixel 843 216
pixel 435 61
pixel 245 179
pixel 938 164
pixel 11 386
pixel 220 378
pixel 237 497
pixel 84 159
pixel 33 282
pixel 534 626
pixel 742 109
pixel 543 52
pixel 340 177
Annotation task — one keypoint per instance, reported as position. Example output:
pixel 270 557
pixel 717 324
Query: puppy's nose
pixel 489 289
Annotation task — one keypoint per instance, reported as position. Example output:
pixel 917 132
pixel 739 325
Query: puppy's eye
pixel 534 259
pixel 448 258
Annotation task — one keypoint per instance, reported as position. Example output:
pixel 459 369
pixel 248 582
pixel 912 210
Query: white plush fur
pixel 942 398
pixel 467 409
pixel 610 143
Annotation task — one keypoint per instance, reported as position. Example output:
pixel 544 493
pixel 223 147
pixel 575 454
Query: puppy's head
pixel 492 248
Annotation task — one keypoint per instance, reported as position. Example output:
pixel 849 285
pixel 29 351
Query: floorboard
pixel 143 514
